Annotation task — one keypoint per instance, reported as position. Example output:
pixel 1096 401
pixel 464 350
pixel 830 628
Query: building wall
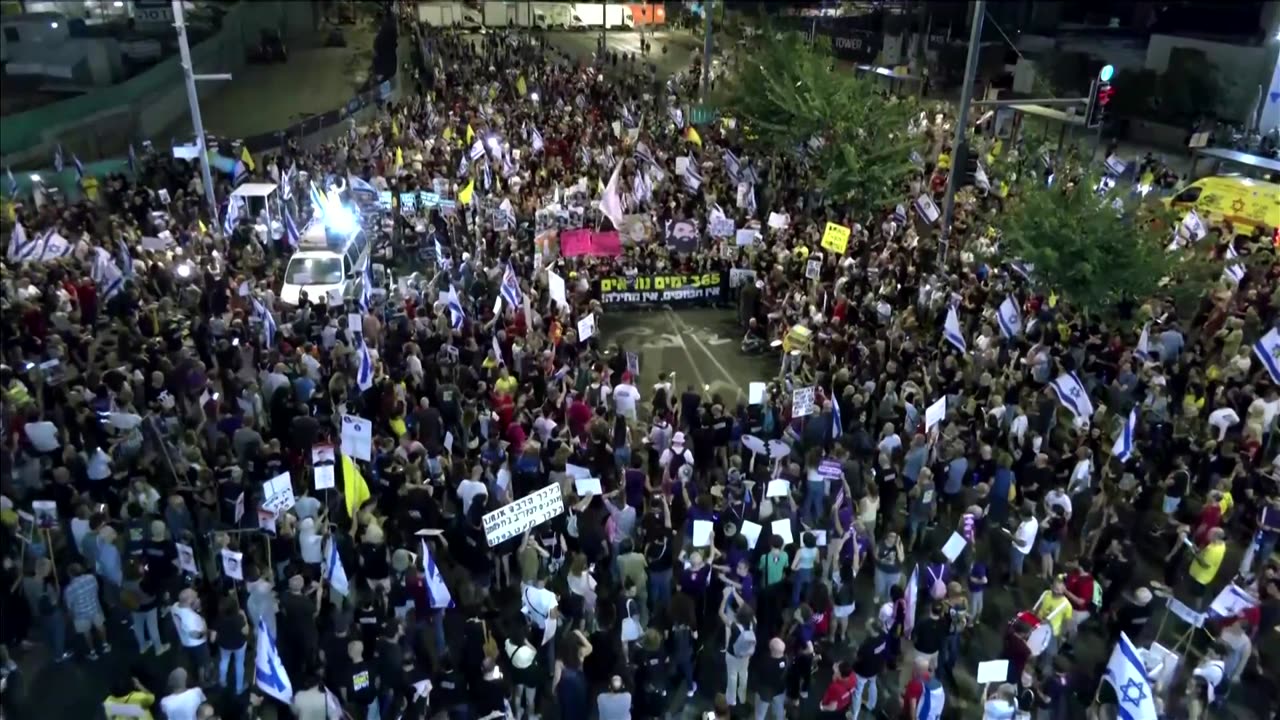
pixel 104 122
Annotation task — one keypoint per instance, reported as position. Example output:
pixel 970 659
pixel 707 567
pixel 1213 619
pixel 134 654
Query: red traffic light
pixel 1104 94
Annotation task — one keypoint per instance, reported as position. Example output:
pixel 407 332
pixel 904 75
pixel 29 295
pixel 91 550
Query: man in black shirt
pixel 1131 618
pixel 390 663
pixel 771 680
pixel 361 689
pixel 868 664
pixel 931 632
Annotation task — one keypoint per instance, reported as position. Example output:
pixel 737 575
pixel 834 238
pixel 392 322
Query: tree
pixel 789 92
pixel 1096 252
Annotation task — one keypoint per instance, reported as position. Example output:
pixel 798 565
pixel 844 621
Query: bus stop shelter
pixel 1254 166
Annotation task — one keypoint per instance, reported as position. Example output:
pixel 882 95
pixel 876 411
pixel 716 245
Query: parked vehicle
pixel 594 15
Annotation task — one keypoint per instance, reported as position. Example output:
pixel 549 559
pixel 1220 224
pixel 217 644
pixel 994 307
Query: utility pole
pixel 706 51
pixel 960 147
pixel 193 98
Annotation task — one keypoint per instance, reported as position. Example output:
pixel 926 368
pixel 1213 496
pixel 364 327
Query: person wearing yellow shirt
pixel 128 694
pixel 1054 609
pixel 505 384
pixel 1205 564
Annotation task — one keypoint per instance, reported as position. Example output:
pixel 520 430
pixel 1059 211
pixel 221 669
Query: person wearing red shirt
pixel 579 415
pixel 839 695
pixel 1079 586
pixel 1210 518
pixel 915 689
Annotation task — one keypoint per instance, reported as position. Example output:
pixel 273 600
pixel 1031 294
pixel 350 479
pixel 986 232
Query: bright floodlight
pixel 184 270
pixel 1106 72
pixel 53 25
pixel 493 142
pixel 35 178
pixel 340 220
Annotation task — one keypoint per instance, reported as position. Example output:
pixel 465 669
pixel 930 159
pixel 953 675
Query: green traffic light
pixel 1105 74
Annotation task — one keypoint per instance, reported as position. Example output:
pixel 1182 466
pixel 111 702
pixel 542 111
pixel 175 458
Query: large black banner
pixel 671 289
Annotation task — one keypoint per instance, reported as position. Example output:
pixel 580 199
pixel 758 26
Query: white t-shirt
pixel 544 426
pixel 1025 537
pixel 538 604
pixel 625 397
pixel 468 490
pixel 890 443
pixel 183 705
pixel 43 435
pixel 1222 419
pixel 192 629
pixel 1058 499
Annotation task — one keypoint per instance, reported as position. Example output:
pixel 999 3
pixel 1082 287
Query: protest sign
pixel 927 209
pixel 277 494
pixel 836 238
pixel 357 437
pixel 187 559
pixel 586 328
pixel 670 289
pixel 802 402
pixel 555 285
pixel 935 413
pixel 233 564
pixel 812 269
pixel 721 226
pixel 529 511
pixel 682 236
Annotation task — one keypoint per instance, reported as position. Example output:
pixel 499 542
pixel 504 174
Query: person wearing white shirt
pixel 544 426
pixel 275 380
pixel 1082 474
pixel 469 490
pixel 1059 499
pixel 1024 539
pixel 625 397
pixel 182 703
pixel 43 436
pixel 193 632
pixel 1222 420
pixel 890 442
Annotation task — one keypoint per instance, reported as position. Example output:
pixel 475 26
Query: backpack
pixel 937 588
pixel 742 644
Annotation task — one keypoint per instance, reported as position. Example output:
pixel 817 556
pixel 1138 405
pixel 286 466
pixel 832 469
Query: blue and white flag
pixel 732 166
pixel 1128 676
pixel 268 323
pixel 1234 271
pixel 133 160
pixel 268 672
pixel 360 185
pixel 1072 394
pixel 364 300
pixel 900 214
pixel 464 167
pixel 232 217
pixel 535 138
pixel 677 116
pixel 286 182
pixel 21 247
pixel 837 424
pixel 1009 317
pixel 642 188
pixel 1123 447
pixel 58 164
pixel 79 166
pixel 364 373
pixel 486 177
pixel 643 153
pixel 106 275
pixel 506 216
pixel 239 173
pixel 291 234
pixel 126 260
pixel 952 333
pixel 317 201
pixel 1268 351
pixel 932 701
pixel 441 260
pixel 456 314
pixel 510 289
pixel 477 150
pixel 334 572
pixel 437 591
pixel 1143 350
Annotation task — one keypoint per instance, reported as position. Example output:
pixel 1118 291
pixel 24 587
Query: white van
pixel 326 266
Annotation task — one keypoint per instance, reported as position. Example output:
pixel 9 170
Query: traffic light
pixel 1103 91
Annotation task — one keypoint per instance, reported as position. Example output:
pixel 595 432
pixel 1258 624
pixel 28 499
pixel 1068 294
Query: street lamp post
pixel 193 99
pixel 706 51
pixel 960 146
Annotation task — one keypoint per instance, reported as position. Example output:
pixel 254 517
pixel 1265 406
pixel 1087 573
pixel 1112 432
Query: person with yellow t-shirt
pixel 1054 609
pixel 1205 564
pixel 128 693
pixel 505 384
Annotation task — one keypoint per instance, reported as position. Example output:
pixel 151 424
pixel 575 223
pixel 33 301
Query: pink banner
pixel 574 243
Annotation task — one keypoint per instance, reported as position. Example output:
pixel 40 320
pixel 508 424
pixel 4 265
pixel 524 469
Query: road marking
pixel 724 373
pixel 671 318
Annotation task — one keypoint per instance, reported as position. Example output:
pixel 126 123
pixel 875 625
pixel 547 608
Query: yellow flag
pixel 692 136
pixel 399 158
pixel 464 195
pixel 200 224
pixel 471 134
pixel 395 128
pixel 521 87
pixel 354 488
pixel 1053 299
pixel 247 159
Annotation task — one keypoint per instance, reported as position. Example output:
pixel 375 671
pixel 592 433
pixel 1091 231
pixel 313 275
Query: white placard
pixel 555 285
pixel 746 236
pixel 935 413
pixel 529 511
pixel 755 392
pixel 702 533
pixel 357 437
pixel 820 536
pixel 778 221
pixel 778 488
pixel 187 559
pixel 277 494
pixel 927 209
pixel 239 510
pixel 588 485
pixel 323 454
pixel 586 327
pixel 993 671
pixel 802 402
pixel 1232 601
pixel 448 441
pixel 355 323
pixel 497 305
pixel 782 528
pixel 577 472
pixel 955 545
pixel 751 531
pixel 812 269
pixel 682 164
pixel 721 226
pixel 323 477
pixel 1185 613
pixel 46 513
pixel 266 520
pixel 233 564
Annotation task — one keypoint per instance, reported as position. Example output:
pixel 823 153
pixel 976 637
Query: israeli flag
pixel 1123 447
pixel 464 167
pixel 1268 351
pixel 133 160
pixel 364 373
pixel 951 331
pixel 291 234
pixel 334 573
pixel 1128 676
pixel 268 672
pixel 486 176
pixel 1234 271
pixel 106 275
pixel 366 287
pixel 506 215
pixel 643 152
pixel 360 185
pixel 837 424
pixel 441 260
pixel 535 138
pixel 125 258
pixel 932 701
pixel 510 289
pixel 677 117
pixel 900 214
pixel 456 314
pixel 286 182
pixel 642 188
pixel 732 166
pixel 232 215
pixel 1143 350
pixel 268 323
pixel 1072 395
pixel 79 166
pixel 437 591
pixel 21 247
pixel 477 150
pixel 58 164
pixel 1009 317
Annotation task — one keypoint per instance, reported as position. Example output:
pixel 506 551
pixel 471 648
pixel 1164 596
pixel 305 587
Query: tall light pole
pixel 188 72
pixel 706 51
pixel 960 147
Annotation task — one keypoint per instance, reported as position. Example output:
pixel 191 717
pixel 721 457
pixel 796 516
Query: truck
pixel 559 16
pixel 500 14
pixel 594 15
pixel 530 15
pixel 448 14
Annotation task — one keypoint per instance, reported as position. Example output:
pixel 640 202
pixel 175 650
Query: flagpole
pixel 193 99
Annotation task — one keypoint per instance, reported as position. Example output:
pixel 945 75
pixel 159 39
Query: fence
pixel 103 122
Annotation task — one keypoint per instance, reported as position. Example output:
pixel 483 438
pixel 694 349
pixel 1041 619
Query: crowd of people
pixel 484 511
